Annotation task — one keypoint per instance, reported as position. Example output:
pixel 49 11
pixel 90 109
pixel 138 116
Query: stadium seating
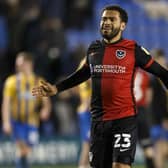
pixel 147 31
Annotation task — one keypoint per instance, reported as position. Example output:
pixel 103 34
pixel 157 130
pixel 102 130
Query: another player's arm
pixel 6 108
pixel 149 95
pixel 46 89
pixel 6 115
pixel 46 108
pixel 145 61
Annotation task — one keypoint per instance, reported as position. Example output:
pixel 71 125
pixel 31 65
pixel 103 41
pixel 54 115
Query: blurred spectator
pixel 51 48
pixel 54 8
pixel 31 27
pixel 19 13
pixel 78 12
pixel 75 56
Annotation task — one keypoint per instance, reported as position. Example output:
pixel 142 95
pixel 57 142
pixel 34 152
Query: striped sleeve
pixel 9 86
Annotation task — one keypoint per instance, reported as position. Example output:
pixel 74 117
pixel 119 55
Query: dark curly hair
pixel 123 13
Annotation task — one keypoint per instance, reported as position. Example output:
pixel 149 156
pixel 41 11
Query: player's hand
pixel 7 129
pixel 45 89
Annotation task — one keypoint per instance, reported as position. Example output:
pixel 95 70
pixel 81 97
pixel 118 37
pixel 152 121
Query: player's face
pixel 111 24
pixel 19 64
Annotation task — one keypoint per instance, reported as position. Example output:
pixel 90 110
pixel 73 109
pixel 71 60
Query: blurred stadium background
pixel 58 32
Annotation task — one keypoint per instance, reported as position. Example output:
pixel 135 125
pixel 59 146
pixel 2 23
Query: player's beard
pixel 110 36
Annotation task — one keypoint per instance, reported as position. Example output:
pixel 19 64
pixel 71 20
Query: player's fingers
pixel 45 88
pixel 38 91
pixel 35 89
pixel 43 91
pixel 47 84
pixel 44 83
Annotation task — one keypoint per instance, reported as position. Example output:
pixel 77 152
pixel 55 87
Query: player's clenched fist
pixel 45 89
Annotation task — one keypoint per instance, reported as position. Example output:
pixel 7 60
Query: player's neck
pixel 27 73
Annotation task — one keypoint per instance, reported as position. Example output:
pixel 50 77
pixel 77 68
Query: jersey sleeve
pixel 159 71
pixel 79 76
pixel 9 87
pixel 146 62
pixel 143 58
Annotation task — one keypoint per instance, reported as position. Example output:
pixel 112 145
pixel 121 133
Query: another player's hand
pixel 45 89
pixel 7 129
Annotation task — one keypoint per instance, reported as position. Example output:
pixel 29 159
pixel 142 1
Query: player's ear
pixel 123 25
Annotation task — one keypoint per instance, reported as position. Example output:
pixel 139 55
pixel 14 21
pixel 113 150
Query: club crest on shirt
pixel 120 54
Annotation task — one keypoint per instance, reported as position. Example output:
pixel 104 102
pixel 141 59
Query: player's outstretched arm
pixel 45 89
